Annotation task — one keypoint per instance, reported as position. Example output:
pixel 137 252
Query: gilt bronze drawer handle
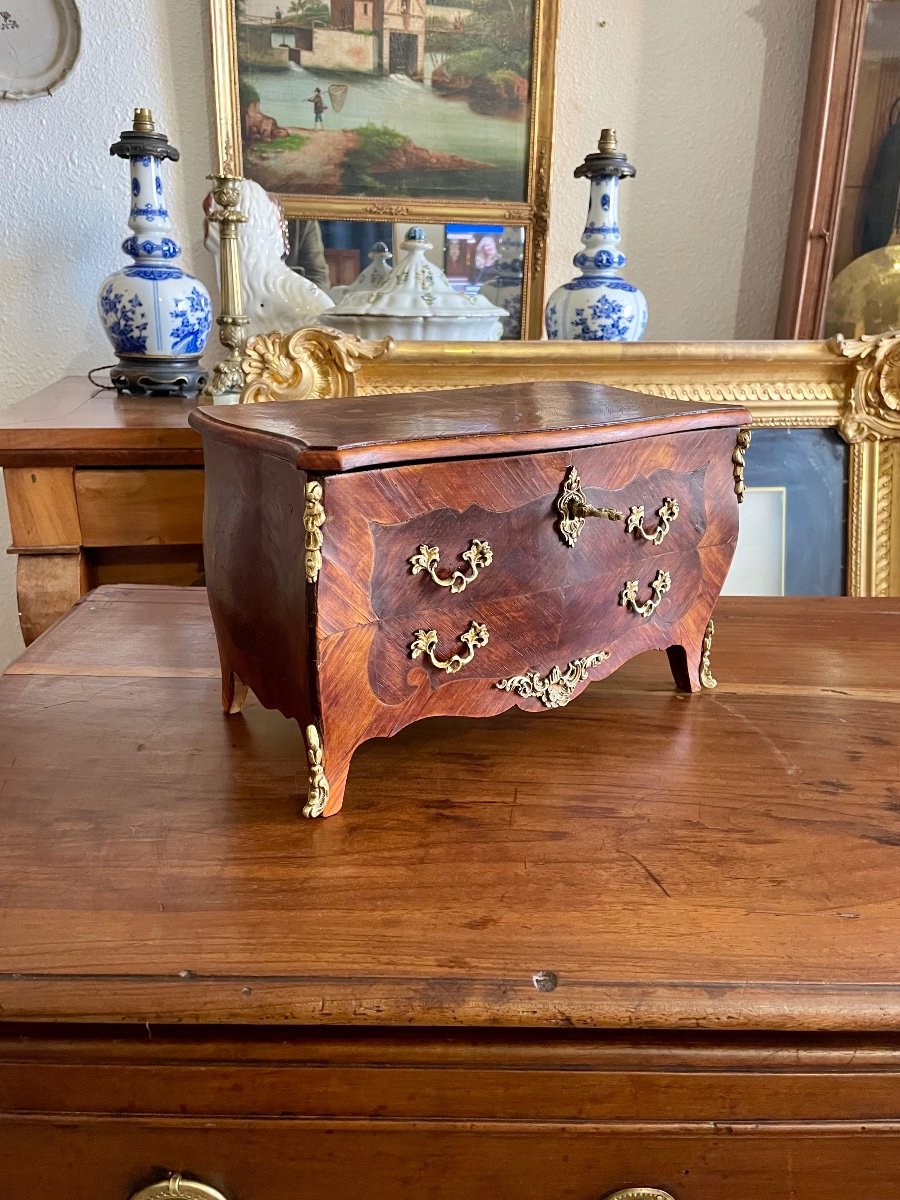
pixel 658 587
pixel 179 1187
pixel 573 508
pixel 425 641
pixel 666 514
pixel 556 689
pixel 478 556
pixel 640 1193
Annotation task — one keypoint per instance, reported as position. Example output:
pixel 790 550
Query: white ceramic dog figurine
pixel 274 296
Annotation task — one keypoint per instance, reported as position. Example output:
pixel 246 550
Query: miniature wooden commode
pixel 374 561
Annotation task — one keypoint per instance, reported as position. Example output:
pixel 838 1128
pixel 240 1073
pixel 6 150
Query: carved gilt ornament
pixel 873 411
pixel 306 364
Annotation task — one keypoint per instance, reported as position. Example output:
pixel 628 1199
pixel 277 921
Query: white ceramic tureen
pixel 417 303
pixel 371 278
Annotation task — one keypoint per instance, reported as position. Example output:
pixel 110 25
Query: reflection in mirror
pixel 794 520
pixel 477 259
pixel 865 292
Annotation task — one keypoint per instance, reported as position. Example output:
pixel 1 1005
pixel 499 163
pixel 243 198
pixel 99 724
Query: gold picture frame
pixel 532 213
pixel 852 387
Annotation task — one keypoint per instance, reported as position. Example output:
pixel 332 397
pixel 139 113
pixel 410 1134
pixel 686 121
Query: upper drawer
pixel 447 534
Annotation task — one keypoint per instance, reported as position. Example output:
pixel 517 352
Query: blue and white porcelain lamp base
pixel 157 316
pixel 599 305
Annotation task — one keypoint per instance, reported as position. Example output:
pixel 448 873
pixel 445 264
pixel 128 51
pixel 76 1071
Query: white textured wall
pixel 706 95
pixel 64 201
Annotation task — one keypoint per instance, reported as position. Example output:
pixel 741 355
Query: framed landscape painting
pixel 417 111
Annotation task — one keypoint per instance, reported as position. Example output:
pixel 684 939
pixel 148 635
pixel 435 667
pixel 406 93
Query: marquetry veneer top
pixel 348 433
pixel 723 860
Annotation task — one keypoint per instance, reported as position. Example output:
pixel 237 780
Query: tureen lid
pixel 375 273
pixel 415 288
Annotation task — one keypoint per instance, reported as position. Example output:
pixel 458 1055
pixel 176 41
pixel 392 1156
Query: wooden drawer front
pixel 378 521
pixel 404 1115
pixel 110 1159
pixel 537 631
pixel 528 553
pixel 162 507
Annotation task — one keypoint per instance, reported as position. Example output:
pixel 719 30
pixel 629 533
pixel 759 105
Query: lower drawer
pixel 111 1159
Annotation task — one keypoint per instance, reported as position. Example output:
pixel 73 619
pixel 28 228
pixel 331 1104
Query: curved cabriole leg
pixel 691 664
pixel 234 693
pixel 686 676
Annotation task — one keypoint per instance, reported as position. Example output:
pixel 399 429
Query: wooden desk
pixel 193 979
pixel 101 489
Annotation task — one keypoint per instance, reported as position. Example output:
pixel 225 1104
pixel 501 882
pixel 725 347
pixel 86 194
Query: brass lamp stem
pixel 227 375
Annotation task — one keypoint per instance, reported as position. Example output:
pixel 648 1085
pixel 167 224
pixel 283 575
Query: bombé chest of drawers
pixel 373 562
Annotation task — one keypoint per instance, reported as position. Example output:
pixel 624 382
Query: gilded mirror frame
pixel 532 213
pixel 850 387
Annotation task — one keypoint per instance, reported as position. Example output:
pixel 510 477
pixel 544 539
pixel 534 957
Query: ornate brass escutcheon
pixel 573 508
pixel 478 556
pixel 180 1188
pixel 425 641
pixel 666 514
pixel 658 587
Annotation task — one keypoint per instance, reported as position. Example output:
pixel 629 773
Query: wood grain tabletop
pixel 654 860
pixel 75 423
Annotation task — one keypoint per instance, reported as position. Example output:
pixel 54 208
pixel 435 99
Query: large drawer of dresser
pixel 403 1117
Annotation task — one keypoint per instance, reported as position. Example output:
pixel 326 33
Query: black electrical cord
pixel 104 387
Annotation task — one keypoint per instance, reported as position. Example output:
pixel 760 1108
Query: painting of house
pixel 421 99
pixel 356 15
pixel 402 33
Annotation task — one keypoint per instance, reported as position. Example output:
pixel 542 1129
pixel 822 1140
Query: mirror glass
pixel 485 259
pixel 864 296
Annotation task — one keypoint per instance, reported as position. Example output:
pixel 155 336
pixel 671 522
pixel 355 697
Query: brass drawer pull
pixel 425 641
pixel 573 507
pixel 478 556
pixel 658 587
pixel 640 1193
pixel 666 514
pixel 179 1187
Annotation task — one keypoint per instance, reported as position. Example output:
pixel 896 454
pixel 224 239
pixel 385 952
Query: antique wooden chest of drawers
pixel 372 562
